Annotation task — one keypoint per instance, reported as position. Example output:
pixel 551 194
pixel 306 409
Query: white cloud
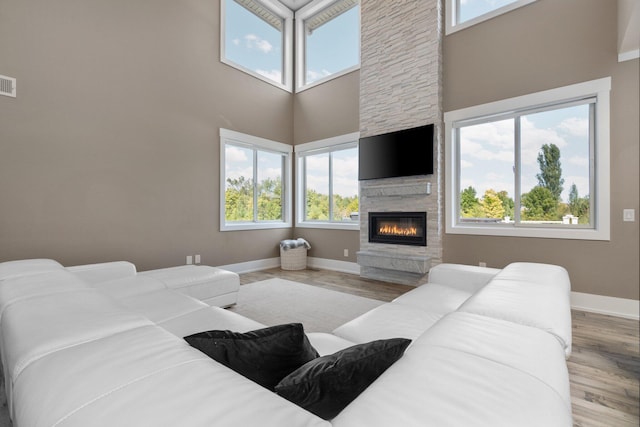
pixel 313 75
pixel 466 164
pixel 236 42
pixel 575 126
pixel 345 181
pixel 275 75
pixel 254 42
pixel 534 138
pixel 488 141
pixel 235 154
pixel 579 161
pixel 317 164
pixel 272 173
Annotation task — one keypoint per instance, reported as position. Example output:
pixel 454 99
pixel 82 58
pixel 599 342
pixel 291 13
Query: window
pixel 532 166
pixel 327 40
pixel 465 13
pixel 254 182
pixel 327 183
pixel 256 38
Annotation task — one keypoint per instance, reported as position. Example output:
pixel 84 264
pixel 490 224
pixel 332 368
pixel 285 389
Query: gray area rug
pixel 277 301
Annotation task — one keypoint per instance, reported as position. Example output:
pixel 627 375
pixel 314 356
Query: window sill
pixel 254 226
pixel 330 225
pixel 529 231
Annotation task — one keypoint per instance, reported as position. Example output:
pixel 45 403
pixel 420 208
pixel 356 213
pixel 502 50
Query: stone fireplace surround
pixel 400 88
pixel 393 262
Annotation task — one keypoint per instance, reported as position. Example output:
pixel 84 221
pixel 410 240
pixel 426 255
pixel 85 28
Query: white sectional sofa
pixel 89 346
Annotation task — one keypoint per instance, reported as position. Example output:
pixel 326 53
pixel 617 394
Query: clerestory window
pixel 257 37
pixel 532 166
pixel 327 41
pixel 465 13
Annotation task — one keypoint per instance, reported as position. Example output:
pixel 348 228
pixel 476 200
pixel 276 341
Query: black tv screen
pixel 405 152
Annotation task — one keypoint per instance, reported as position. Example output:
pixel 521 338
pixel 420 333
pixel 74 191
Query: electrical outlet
pixel 197 259
pixel 346 252
pixel 189 259
pixel 629 215
pixel 482 264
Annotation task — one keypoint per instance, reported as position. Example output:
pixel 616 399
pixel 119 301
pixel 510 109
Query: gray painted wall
pixel 111 148
pixel 544 45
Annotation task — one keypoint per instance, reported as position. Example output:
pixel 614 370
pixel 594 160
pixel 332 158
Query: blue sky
pixel 256 45
pixel 487 156
pixel 251 42
pixel 469 9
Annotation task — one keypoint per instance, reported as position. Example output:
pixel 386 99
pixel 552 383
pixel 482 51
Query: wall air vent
pixel 7 86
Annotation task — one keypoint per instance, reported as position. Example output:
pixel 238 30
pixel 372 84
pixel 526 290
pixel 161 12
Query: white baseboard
pixel 620 307
pixel 249 266
pixel 334 265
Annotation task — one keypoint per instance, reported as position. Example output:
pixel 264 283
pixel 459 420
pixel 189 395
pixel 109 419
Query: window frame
pixel 258 144
pixel 287 44
pixel 328 145
pixel 598 89
pixel 451 18
pixel 306 12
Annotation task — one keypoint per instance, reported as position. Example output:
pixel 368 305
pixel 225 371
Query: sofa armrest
pixel 468 278
pixel 102 272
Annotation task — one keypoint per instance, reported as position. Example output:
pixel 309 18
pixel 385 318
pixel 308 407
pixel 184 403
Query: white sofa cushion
pixel 531 294
pixel 449 388
pixel 102 272
pixel 387 321
pixel 468 278
pixel 125 287
pixel 327 343
pixel 209 318
pixel 199 281
pixel 434 297
pixel 162 305
pixel 35 327
pixel 28 286
pixel 25 267
pixel 524 348
pixel 146 377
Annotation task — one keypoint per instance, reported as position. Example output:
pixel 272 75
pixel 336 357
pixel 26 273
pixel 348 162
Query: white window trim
pixel 598 88
pixel 287 48
pixel 237 138
pixel 452 13
pixel 300 71
pixel 346 141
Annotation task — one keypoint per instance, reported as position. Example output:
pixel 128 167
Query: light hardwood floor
pixel 604 368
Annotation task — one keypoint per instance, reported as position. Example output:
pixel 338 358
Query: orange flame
pixel 394 230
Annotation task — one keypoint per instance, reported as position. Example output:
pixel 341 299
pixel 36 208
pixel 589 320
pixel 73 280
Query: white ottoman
pixel 215 286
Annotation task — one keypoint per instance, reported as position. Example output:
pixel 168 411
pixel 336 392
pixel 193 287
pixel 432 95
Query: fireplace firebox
pixel 401 228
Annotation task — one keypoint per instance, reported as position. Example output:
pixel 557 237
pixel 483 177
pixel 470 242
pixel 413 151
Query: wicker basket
pixel 293 259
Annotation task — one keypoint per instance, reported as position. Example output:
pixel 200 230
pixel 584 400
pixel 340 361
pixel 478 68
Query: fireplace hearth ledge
pixel 416 264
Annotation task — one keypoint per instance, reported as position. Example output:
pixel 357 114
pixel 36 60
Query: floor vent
pixel 7 86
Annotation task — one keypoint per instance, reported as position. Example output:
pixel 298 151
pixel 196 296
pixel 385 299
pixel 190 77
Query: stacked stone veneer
pixel 400 88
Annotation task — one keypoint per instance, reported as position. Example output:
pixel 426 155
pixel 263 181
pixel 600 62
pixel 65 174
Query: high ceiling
pixel 294 4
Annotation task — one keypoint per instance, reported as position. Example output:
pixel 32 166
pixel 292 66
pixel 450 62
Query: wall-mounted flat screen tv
pixel 405 152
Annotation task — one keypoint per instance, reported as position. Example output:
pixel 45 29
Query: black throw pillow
pixel 326 385
pixel 265 355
